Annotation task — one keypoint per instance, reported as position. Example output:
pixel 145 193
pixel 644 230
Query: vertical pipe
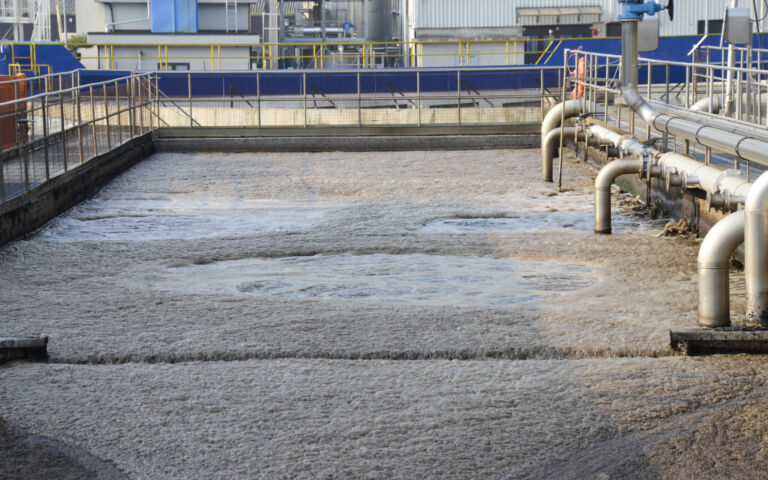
pixel 729 73
pixel 755 253
pixel 713 264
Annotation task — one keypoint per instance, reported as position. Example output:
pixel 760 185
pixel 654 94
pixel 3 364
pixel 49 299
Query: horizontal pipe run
pixel 714 262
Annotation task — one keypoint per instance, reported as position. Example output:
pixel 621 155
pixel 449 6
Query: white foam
pixel 146 217
pixel 583 221
pixel 414 279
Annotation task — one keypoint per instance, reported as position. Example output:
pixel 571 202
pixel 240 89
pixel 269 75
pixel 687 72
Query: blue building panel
pixel 174 16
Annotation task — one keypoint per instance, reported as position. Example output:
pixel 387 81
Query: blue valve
pixel 635 9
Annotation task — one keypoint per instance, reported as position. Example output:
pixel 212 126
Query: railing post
pixel 258 97
pixel 418 94
pixel 359 103
pixel 63 131
pixel 304 91
pixel 189 98
pixel 106 117
pixel 541 93
pixel 131 107
pixel 458 93
pixel 119 114
pixel 93 123
pixel 79 123
pixel 139 107
pixel 45 137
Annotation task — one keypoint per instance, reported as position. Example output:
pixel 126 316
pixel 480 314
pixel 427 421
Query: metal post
pixel 106 117
pixel 131 107
pixel 93 123
pixel 359 103
pixel 418 95
pixel 79 125
pixel 258 96
pixel 541 92
pixel 63 131
pixel 140 106
pixel 458 92
pixel 666 81
pixel 119 114
pixel 304 91
pixel 189 97
pixel 45 137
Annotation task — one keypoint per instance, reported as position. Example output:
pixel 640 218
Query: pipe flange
pixel 714 201
pixel 732 202
pixel 690 181
pixel 673 180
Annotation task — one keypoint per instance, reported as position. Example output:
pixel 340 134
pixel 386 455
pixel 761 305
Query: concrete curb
pixel 23 348
pixel 347 143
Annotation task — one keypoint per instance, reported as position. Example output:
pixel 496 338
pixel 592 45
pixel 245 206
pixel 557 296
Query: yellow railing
pixel 27 63
pixel 348 54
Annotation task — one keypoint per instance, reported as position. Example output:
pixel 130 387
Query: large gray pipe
pixel 755 252
pixel 714 262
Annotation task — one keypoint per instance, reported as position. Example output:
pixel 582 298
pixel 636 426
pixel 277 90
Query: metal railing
pixel 320 55
pixel 48 134
pixel 675 87
pixel 519 96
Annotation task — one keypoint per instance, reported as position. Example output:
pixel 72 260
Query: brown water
pixel 417 314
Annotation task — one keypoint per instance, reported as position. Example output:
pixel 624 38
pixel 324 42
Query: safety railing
pixel 679 88
pixel 321 55
pixel 47 134
pixel 417 97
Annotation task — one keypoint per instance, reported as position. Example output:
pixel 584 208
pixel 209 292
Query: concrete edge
pixel 23 348
pixel 347 131
pixel 711 341
pixel 347 143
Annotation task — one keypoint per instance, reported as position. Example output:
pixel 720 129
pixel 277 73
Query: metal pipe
pixel 552 119
pixel 550 144
pixel 603 182
pixel 755 253
pixel 729 72
pixel 714 261
pixel 549 147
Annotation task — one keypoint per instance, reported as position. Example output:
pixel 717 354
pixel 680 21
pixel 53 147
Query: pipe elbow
pixel 612 170
pixel 722 240
pixel 553 117
pixel 757 198
pixel 638 104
